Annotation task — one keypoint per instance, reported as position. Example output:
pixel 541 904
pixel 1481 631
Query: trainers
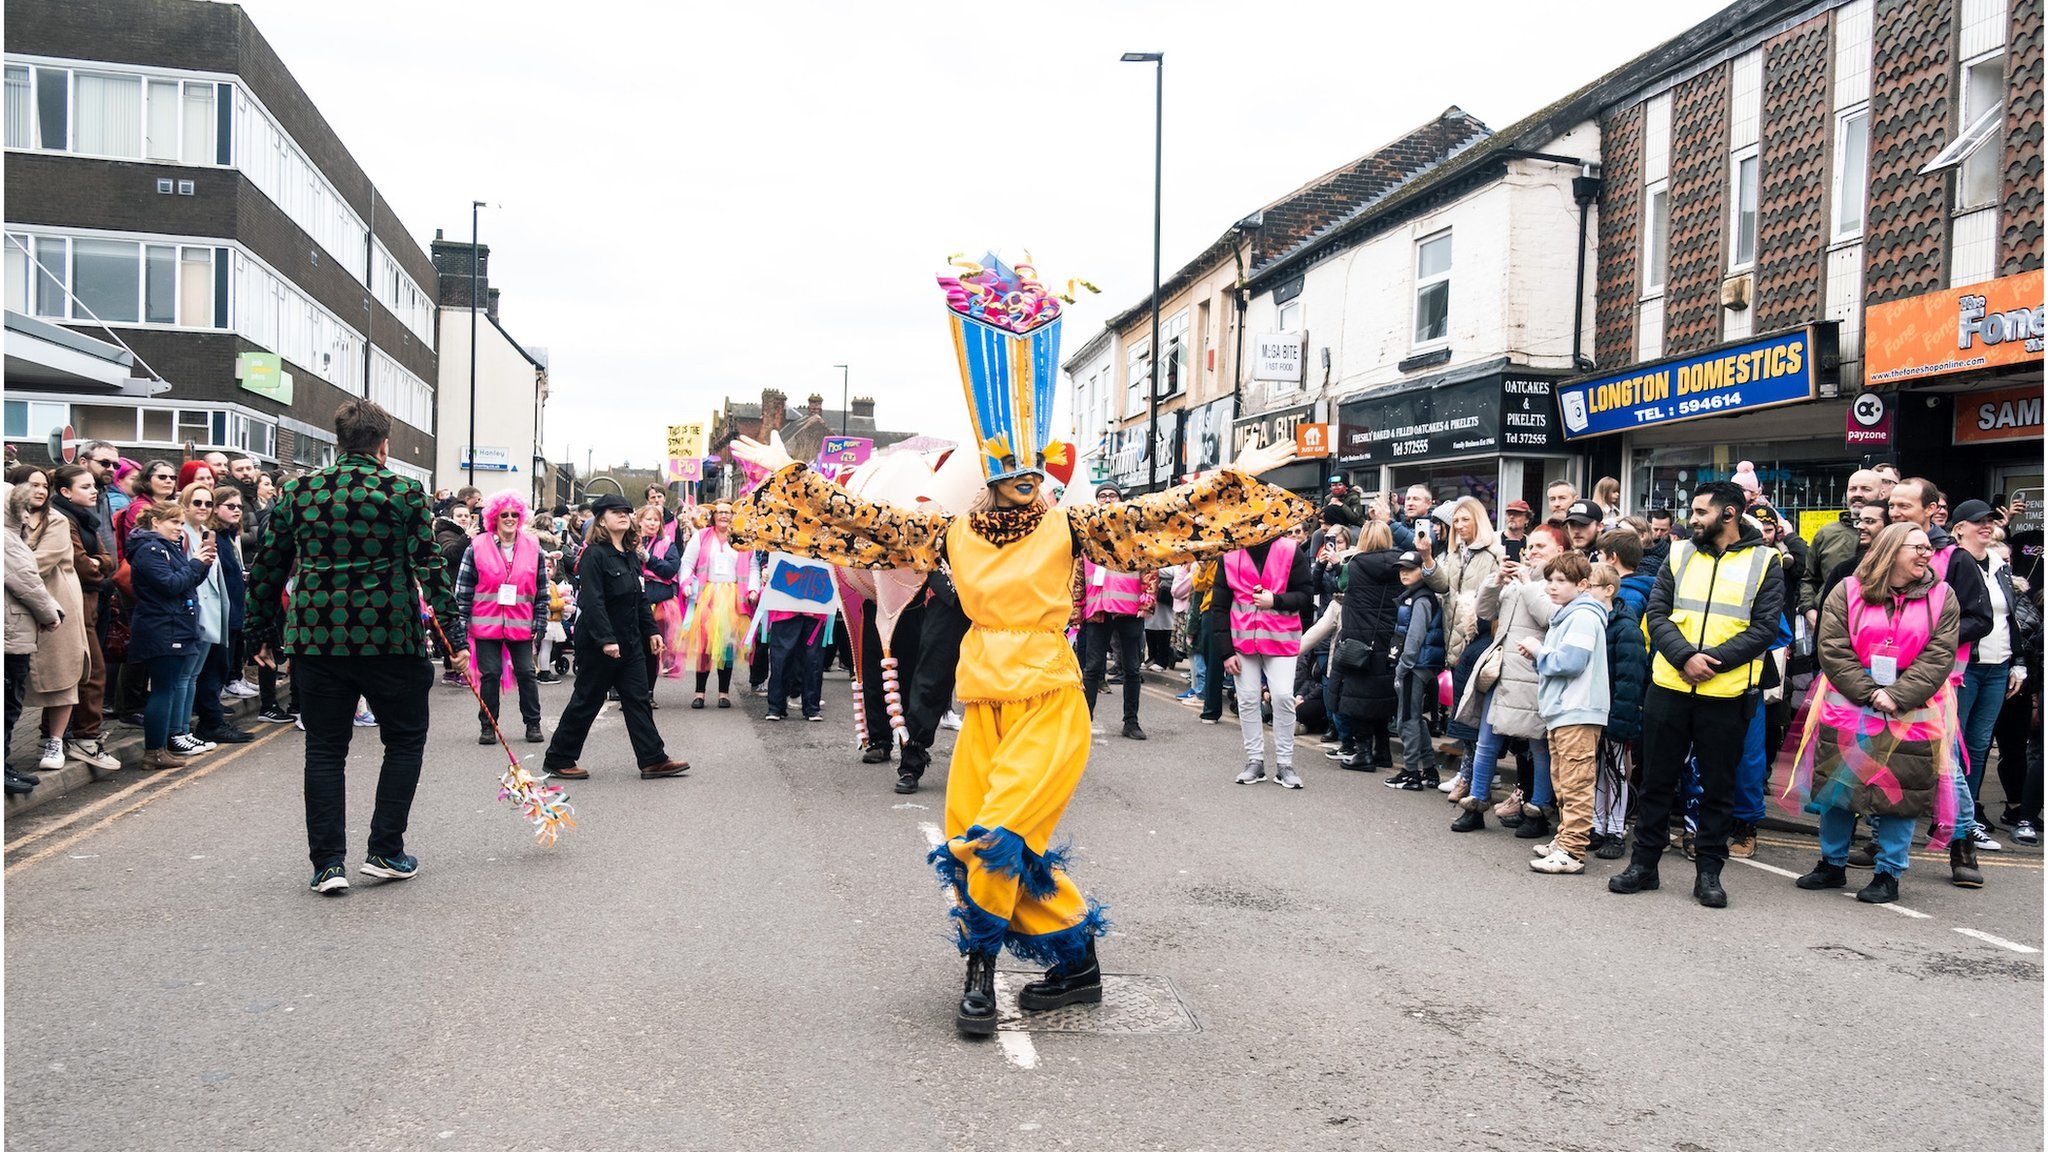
pixel 1882 889
pixel 1340 752
pixel 1742 844
pixel 1287 778
pixel 2026 833
pixel 815 717
pixel 1823 876
pixel 365 718
pixel 53 756
pixel 244 690
pixel 1399 780
pixel 91 752
pixel 950 721
pixel 1451 786
pixel 225 734
pixel 184 744
pixel 905 784
pixel 21 784
pixel 275 714
pixel 1558 863
pixel 399 867
pixel 776 716
pixel 1132 731
pixel 1254 771
pixel 330 881
pixel 1983 841
pixel 454 680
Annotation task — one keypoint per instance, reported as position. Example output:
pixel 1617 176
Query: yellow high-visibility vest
pixel 1710 605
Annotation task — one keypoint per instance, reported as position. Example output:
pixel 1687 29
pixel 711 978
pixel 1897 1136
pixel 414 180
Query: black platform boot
pixel 977 1015
pixel 1062 986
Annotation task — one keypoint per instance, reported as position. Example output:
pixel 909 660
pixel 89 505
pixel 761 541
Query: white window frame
pixel 1292 311
pixel 1982 128
pixel 1651 238
pixel 1416 340
pixel 1750 155
pixel 1173 370
pixel 1137 356
pixel 1837 232
pixel 31 424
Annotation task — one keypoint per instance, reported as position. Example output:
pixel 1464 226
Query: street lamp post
pixel 474 272
pixel 1158 62
pixel 845 374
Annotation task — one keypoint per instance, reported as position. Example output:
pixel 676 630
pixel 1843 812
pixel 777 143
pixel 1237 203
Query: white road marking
pixel 2000 941
pixel 1771 868
pixel 932 835
pixel 1018 1049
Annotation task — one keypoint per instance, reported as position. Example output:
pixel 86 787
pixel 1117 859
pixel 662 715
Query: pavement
pixel 755 956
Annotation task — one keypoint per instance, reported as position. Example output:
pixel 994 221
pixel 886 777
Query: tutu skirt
pixel 714 629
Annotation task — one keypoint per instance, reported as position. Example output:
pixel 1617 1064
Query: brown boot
pixel 657 771
pixel 160 759
pixel 1962 864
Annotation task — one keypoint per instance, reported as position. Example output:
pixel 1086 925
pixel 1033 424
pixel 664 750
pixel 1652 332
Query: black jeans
pixel 17 683
pixel 930 691
pixel 1712 728
pixel 2019 752
pixel 907 646
pixel 596 676
pixel 396 689
pixel 1128 632
pixel 796 664
pixel 213 676
pixel 490 670
pixel 1215 679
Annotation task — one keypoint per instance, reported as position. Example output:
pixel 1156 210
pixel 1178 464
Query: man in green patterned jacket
pixel 355 541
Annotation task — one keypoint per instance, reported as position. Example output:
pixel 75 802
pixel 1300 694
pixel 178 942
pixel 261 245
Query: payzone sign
pixel 1755 374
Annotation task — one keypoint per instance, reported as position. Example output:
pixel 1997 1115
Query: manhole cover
pixel 1132 1005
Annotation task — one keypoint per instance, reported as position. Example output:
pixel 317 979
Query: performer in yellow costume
pixel 1025 736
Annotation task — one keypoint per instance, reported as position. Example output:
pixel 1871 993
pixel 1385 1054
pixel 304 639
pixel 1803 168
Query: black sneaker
pixel 225 734
pixel 331 880
pixel 1132 731
pixel 1612 848
pixel 399 867
pixel 275 714
pixel 21 783
pixel 1882 889
pixel 547 676
pixel 1824 875
pixel 906 784
pixel 534 735
pixel 486 736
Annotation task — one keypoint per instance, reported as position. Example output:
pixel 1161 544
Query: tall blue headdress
pixel 1006 332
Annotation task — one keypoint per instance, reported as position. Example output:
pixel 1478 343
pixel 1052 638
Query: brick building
pixel 803 429
pixel 1795 209
pixel 170 188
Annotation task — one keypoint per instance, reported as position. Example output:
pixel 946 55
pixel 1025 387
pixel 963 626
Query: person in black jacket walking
pixel 1371 614
pixel 614 637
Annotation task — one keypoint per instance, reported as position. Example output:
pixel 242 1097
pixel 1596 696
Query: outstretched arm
pixel 1221 512
pixel 797 511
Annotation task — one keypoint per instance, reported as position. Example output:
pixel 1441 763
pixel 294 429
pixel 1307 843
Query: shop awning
pixel 45 356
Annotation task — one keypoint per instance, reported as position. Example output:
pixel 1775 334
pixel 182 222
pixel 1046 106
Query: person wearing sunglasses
pixel 223 662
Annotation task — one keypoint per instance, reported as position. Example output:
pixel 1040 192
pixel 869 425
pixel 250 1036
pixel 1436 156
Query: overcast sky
pixel 701 201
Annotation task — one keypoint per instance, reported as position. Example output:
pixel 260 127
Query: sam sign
pixel 1998 417
pixel 1746 377
pixel 1988 325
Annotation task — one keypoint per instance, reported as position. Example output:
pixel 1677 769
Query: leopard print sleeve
pixel 799 512
pixel 1219 513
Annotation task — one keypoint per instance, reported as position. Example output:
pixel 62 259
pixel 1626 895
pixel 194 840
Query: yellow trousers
pixel 1015 767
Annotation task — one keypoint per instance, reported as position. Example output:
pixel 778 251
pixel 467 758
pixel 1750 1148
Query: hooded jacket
pixel 1628 658
pixel 1573 665
pixel 1761 634
pixel 1372 586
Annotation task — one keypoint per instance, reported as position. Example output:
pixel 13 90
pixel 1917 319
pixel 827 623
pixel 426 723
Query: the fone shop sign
pixel 1987 325
pixel 1277 356
pixel 1997 417
pixel 1755 374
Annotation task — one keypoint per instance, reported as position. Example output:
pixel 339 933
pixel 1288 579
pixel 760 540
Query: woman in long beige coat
pixel 62 656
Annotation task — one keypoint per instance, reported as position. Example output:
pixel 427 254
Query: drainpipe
pixel 1585 190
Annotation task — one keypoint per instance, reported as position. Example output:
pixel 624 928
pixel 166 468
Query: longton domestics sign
pixel 1760 373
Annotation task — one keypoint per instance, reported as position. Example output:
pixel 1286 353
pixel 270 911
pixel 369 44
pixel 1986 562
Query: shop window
pixel 1742 209
pixel 35 420
pixel 158 426
pixel 1796 475
pixel 1433 289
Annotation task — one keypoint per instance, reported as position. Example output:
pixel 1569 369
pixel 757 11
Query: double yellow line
pixel 132 798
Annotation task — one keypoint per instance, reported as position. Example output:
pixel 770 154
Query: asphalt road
pixel 755 956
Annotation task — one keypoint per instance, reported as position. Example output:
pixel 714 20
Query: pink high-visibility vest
pixel 489 619
pixel 1256 631
pixel 1111 593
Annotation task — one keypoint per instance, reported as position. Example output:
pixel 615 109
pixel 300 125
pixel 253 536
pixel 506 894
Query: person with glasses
pixel 223 661
pixel 210 615
pixel 75 496
pixel 1878 734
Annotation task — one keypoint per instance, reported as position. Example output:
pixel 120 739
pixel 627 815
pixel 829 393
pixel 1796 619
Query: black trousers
pixel 796 664
pixel 1713 729
pixel 597 675
pixel 490 670
pixel 907 647
pixel 396 689
pixel 930 690
pixel 2019 752
pixel 1128 633
pixel 16 685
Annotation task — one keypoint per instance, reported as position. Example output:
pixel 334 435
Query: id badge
pixel 508 595
pixel 724 569
pixel 1884 670
pixel 1099 577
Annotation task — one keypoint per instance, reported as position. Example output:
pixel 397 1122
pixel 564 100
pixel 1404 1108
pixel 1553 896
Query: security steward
pixel 1712 617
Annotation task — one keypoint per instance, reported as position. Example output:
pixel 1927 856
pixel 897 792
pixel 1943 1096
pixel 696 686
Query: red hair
pixel 1556 535
pixel 191 470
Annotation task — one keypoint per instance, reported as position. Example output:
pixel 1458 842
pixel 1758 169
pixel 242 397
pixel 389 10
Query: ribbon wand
pixel 545 806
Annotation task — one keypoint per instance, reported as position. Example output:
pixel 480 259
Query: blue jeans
pixel 171 682
pixel 1752 773
pixel 1977 708
pixel 1893 836
pixel 1199 662
pixel 1486 760
pixel 1338 723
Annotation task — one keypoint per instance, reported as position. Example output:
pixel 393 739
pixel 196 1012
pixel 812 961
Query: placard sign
pixel 1277 357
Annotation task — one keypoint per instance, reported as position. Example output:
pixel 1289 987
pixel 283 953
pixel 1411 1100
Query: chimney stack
pixel 491 304
pixel 773 406
pixel 863 407
pixel 817 405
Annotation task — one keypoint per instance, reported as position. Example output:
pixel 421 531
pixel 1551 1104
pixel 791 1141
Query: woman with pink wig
pixel 499 592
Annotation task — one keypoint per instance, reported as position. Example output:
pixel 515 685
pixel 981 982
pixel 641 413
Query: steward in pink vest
pixel 1274 631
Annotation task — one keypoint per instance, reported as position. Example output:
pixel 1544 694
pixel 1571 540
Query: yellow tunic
pixel 1025 738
